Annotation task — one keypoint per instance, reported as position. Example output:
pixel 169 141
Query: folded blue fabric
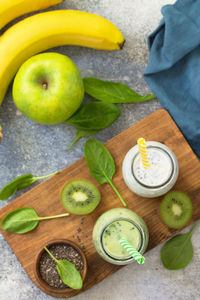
pixel 173 72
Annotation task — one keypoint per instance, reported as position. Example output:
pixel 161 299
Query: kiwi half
pixel 176 209
pixel 80 197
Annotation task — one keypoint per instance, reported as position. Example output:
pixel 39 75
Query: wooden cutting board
pixel 44 198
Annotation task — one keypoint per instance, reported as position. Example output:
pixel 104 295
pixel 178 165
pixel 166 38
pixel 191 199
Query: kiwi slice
pixel 176 209
pixel 80 197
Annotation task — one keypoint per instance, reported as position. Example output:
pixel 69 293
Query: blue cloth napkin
pixel 173 72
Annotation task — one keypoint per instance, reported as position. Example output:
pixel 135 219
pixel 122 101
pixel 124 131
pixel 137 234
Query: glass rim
pixel 140 230
pixel 153 186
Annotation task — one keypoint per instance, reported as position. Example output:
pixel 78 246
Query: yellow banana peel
pixel 50 29
pixel 11 9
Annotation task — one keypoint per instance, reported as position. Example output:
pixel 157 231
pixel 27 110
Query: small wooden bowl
pixel 59 293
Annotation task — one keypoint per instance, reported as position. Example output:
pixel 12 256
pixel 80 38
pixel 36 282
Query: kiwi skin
pixel 86 189
pixel 179 202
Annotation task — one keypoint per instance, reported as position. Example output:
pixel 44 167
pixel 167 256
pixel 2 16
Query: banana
pixel 11 9
pixel 50 29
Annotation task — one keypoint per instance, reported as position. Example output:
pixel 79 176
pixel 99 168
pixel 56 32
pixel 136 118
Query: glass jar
pixel 159 178
pixel 115 224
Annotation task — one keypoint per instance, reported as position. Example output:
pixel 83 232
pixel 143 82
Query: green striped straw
pixel 132 251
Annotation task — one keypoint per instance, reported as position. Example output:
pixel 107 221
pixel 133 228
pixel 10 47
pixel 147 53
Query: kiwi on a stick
pixel 176 209
pixel 80 196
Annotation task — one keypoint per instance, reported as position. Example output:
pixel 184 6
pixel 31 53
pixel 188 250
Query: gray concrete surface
pixel 29 147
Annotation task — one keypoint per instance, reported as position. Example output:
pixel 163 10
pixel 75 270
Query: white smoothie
pixel 159 178
pixel 160 169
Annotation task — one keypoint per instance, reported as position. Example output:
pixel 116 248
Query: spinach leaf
pixel 99 160
pixel 112 92
pixel 178 251
pixel 24 219
pixel 81 134
pixel 68 272
pixel 19 183
pixel 101 164
pixel 91 118
pixel 94 116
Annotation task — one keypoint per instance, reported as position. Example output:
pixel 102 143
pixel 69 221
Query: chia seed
pixel 82 220
pixel 47 266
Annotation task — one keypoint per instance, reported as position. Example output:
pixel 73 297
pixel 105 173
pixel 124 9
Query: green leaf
pixel 69 274
pixel 19 183
pixel 178 251
pixel 91 118
pixel 81 134
pixel 94 116
pixel 101 164
pixel 113 92
pixel 99 161
pixel 20 220
pixel 24 219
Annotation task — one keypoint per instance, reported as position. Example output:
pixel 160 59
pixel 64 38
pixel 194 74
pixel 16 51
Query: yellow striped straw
pixel 143 152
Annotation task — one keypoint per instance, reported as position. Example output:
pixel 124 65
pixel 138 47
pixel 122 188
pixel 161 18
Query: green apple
pixel 48 88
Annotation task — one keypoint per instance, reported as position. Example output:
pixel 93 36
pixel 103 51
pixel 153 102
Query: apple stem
pixel 45 85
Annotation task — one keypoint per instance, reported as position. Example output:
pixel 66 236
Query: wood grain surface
pixel 45 199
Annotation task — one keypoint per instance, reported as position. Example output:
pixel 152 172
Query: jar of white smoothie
pixel 114 225
pixel 155 180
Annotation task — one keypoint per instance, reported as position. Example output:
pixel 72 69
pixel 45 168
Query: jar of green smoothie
pixel 116 224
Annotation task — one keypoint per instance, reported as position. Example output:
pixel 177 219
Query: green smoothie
pixel 117 230
pixel 115 224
